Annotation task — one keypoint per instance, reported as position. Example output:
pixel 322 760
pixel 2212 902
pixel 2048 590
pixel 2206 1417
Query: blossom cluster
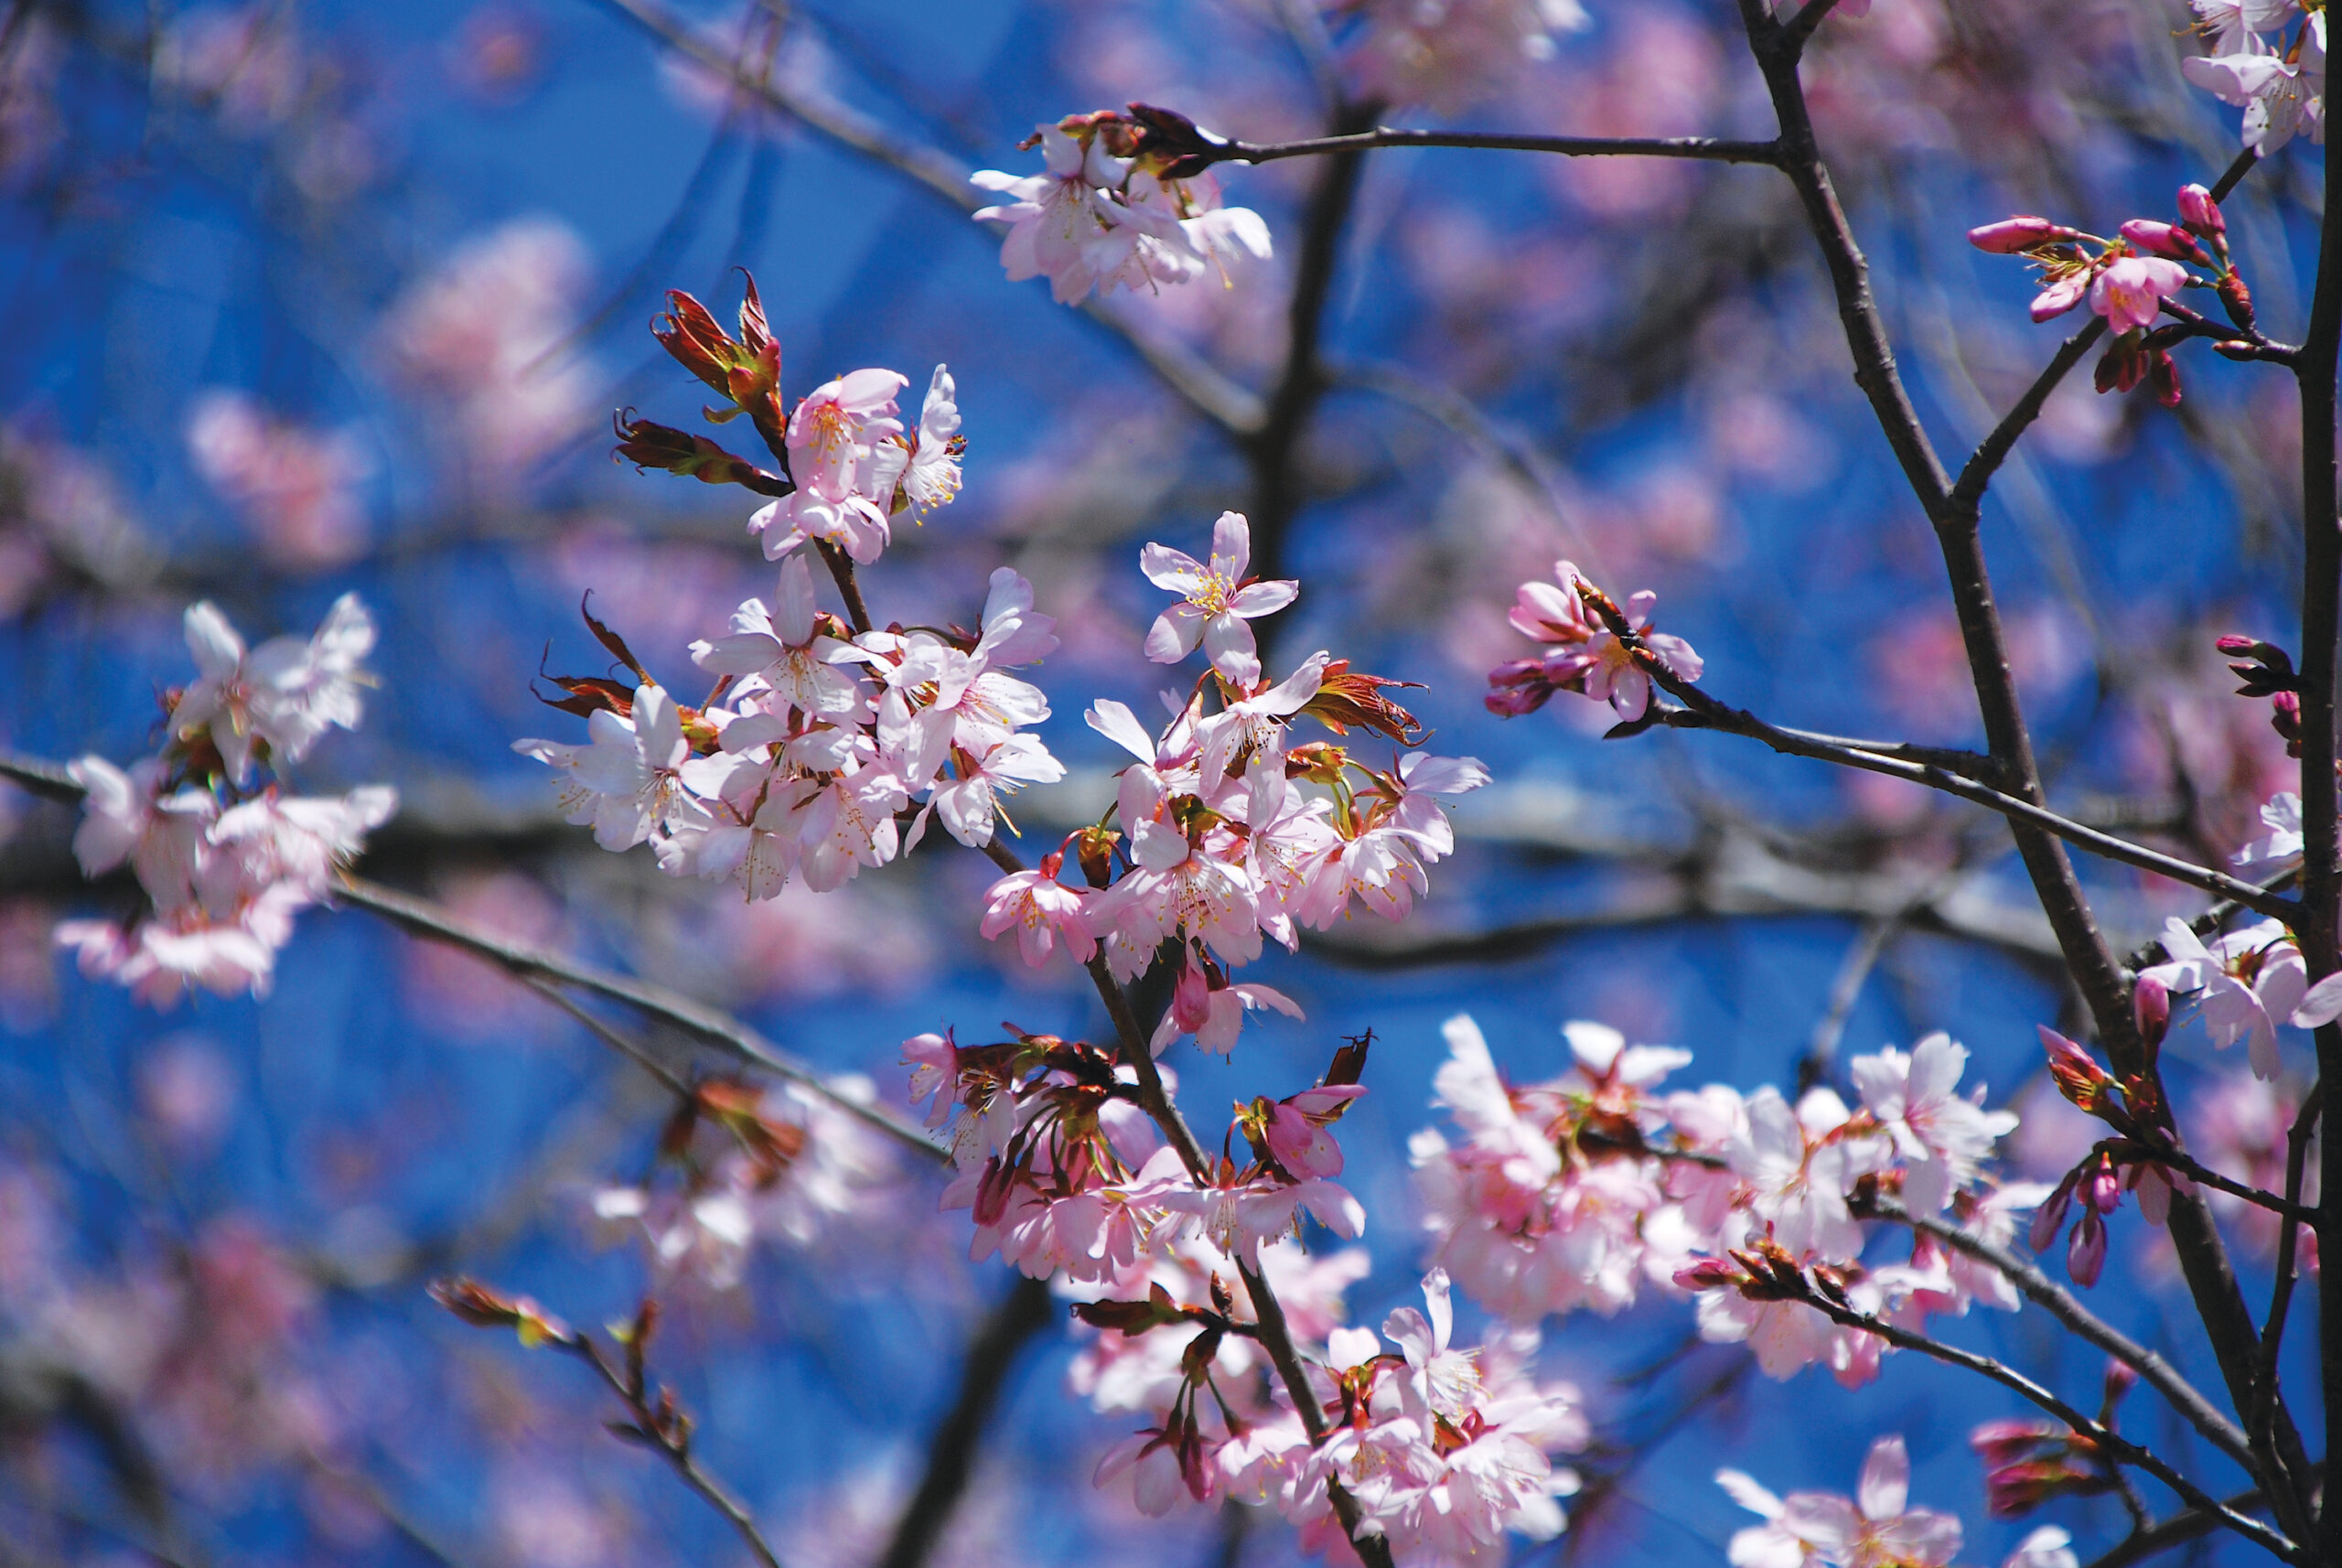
pixel 1117 205
pixel 225 858
pixel 2134 280
pixel 1229 828
pixel 2268 58
pixel 1444 1449
pixel 1583 1191
pixel 785 1164
pixel 1596 648
pixel 817 738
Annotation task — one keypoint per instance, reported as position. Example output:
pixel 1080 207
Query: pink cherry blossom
pixel 1042 910
pixel 286 692
pixel 2243 982
pixel 1941 1135
pixel 2129 291
pixel 1215 602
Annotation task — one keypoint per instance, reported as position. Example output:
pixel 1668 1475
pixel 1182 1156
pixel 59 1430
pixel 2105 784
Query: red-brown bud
pixel 2236 299
pixel 650 445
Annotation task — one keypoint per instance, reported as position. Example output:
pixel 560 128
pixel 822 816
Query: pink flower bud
pixel 2162 240
pixel 2060 296
pixel 1707 1273
pixel 2151 1004
pixel 2011 236
pixel 2086 1249
pixel 2200 212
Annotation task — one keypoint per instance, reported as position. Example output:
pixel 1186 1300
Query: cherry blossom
pixel 2243 982
pixel 1216 599
pixel 1042 910
pixel 1098 216
pixel 1942 1136
pixel 784 648
pixel 224 869
pixel 2280 846
pixel 2129 291
pixel 627 777
pixel 283 694
pixel 1872 1529
pixel 1585 656
pixel 2281 91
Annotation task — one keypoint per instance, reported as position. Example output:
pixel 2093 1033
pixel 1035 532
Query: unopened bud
pixel 2236 299
pixel 2200 212
pixel 650 445
pixel 2078 1078
pixel 2158 239
pixel 2011 236
pixel 1094 849
pixel 2163 378
pixel 2285 718
pixel 2151 1007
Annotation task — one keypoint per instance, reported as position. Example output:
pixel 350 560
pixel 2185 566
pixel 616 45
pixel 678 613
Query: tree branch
pixel 2321 865
pixel 1212 394
pixel 1705 149
pixel 2203 1256
pixel 2181 1528
pixel 1020 1314
pixel 2062 1305
pixel 1703 711
pixel 2109 1442
pixel 677 1452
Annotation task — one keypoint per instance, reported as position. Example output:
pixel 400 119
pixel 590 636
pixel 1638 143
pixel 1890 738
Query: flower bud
pixel 650 445
pixel 2078 1077
pixel 2162 240
pixel 2011 236
pixel 2163 378
pixel 2151 1007
pixel 2085 1250
pixel 2060 296
pixel 1130 1319
pixel 2200 212
pixel 2236 299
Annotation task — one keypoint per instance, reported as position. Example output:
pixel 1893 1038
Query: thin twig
pixel 607 1035
pixel 676 1451
pixel 1705 149
pixel 2281 1295
pixel 2062 1305
pixel 1212 394
pixel 2108 1440
pixel 1704 712
pixel 2181 1528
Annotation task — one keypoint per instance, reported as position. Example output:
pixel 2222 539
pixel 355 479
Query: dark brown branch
pixel 2104 988
pixel 2321 833
pixel 2263 1414
pixel 1020 1314
pixel 2189 1524
pixel 1968 495
pixel 1705 149
pixel 2062 1305
pixel 1703 711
